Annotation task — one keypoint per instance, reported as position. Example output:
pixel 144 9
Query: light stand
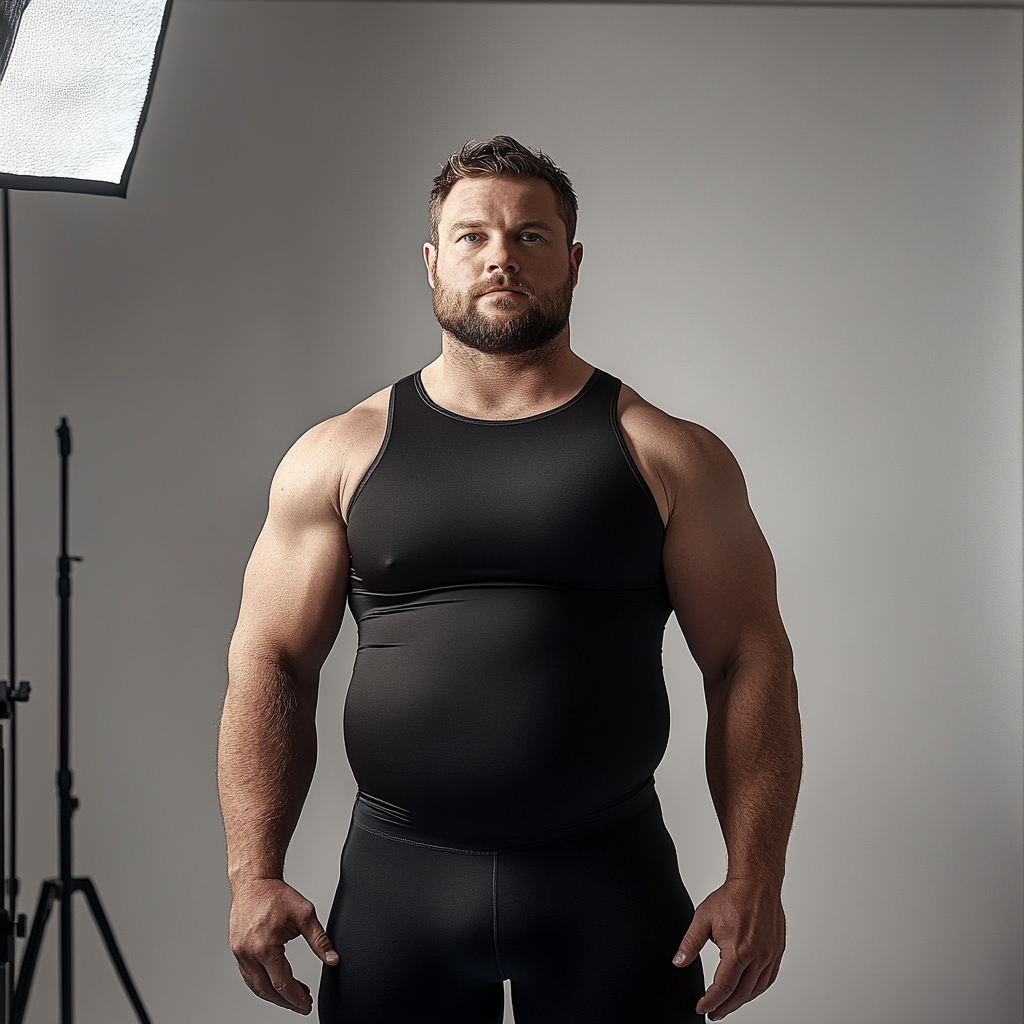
pixel 62 889
pixel 75 86
pixel 11 922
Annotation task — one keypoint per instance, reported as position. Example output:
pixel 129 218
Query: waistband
pixel 383 819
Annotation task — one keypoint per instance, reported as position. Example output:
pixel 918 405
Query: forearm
pixel 754 759
pixel 266 758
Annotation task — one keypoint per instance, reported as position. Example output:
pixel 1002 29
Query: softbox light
pixel 75 80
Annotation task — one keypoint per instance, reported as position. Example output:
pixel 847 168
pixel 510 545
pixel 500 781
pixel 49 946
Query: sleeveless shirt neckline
pixel 430 403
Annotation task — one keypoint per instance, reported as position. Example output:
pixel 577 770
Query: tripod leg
pixel 67 962
pixel 47 894
pixel 86 886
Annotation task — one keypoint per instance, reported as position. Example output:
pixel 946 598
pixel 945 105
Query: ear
pixel 575 259
pixel 430 259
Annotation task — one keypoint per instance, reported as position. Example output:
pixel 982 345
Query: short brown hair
pixel 502 156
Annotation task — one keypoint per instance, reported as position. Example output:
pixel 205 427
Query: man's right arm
pixel 293 600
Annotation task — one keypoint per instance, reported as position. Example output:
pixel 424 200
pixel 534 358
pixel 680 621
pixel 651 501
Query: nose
pixel 500 258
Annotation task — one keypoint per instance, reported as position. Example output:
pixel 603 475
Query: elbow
pixel 761 669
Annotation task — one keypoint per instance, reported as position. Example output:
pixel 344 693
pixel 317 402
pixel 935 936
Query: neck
pixel 488 386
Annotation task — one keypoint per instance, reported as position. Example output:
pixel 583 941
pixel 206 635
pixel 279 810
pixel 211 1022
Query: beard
pixel 504 330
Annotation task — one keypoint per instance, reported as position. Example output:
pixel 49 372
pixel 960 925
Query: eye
pixel 470 236
pixel 530 236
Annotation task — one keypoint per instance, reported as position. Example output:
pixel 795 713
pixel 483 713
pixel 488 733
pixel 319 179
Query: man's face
pixel 502 272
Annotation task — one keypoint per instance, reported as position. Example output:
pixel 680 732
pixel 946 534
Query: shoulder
pixel 329 459
pixel 680 460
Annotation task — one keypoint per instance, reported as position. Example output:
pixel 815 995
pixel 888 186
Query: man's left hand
pixel 745 920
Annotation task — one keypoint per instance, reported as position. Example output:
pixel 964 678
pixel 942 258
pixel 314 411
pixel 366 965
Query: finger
pixel 727 978
pixel 285 985
pixel 743 992
pixel 768 976
pixel 694 941
pixel 259 981
pixel 313 932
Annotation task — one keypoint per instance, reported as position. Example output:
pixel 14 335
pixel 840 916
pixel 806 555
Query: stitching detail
pixel 613 412
pixel 494 918
pixel 431 404
pixel 347 514
pixel 426 846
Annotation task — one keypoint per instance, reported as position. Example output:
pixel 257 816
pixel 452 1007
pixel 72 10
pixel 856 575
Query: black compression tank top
pixel 508 587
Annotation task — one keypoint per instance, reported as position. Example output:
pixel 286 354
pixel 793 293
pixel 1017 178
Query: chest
pixel 552 501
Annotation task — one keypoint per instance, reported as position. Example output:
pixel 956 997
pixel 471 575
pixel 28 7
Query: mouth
pixel 504 291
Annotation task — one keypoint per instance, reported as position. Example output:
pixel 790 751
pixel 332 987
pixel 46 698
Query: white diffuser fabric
pixel 74 89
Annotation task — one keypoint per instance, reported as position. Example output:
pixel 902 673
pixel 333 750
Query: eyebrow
pixel 462 225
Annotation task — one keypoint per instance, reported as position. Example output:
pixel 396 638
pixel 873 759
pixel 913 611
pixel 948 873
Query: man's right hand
pixel 265 914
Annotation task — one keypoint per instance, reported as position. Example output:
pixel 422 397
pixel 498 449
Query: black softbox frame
pixel 13 13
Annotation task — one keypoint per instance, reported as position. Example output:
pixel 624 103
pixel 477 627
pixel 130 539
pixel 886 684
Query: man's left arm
pixel 721 579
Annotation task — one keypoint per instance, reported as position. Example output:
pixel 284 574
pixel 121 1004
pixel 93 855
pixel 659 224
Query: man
pixel 512 529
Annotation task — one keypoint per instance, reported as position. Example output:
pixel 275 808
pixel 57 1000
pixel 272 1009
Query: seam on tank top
pixel 494 918
pixel 431 404
pixel 613 411
pixel 380 455
pixel 502 585
pixel 426 846
pixel 517 848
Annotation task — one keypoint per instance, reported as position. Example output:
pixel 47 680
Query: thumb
pixel 314 934
pixel 693 942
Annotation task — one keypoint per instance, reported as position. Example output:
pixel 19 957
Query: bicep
pixel 719 568
pixel 293 594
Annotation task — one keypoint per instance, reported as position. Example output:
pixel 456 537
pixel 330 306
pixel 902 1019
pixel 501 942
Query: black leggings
pixel 585 928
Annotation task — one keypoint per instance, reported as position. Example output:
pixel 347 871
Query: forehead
pixel 500 199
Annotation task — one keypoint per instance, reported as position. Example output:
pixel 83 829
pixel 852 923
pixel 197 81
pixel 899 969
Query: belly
pixel 506 713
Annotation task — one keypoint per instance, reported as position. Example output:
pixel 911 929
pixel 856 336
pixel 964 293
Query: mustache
pixel 501 281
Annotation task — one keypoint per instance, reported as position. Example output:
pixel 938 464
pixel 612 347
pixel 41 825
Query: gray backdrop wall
pixel 802 229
